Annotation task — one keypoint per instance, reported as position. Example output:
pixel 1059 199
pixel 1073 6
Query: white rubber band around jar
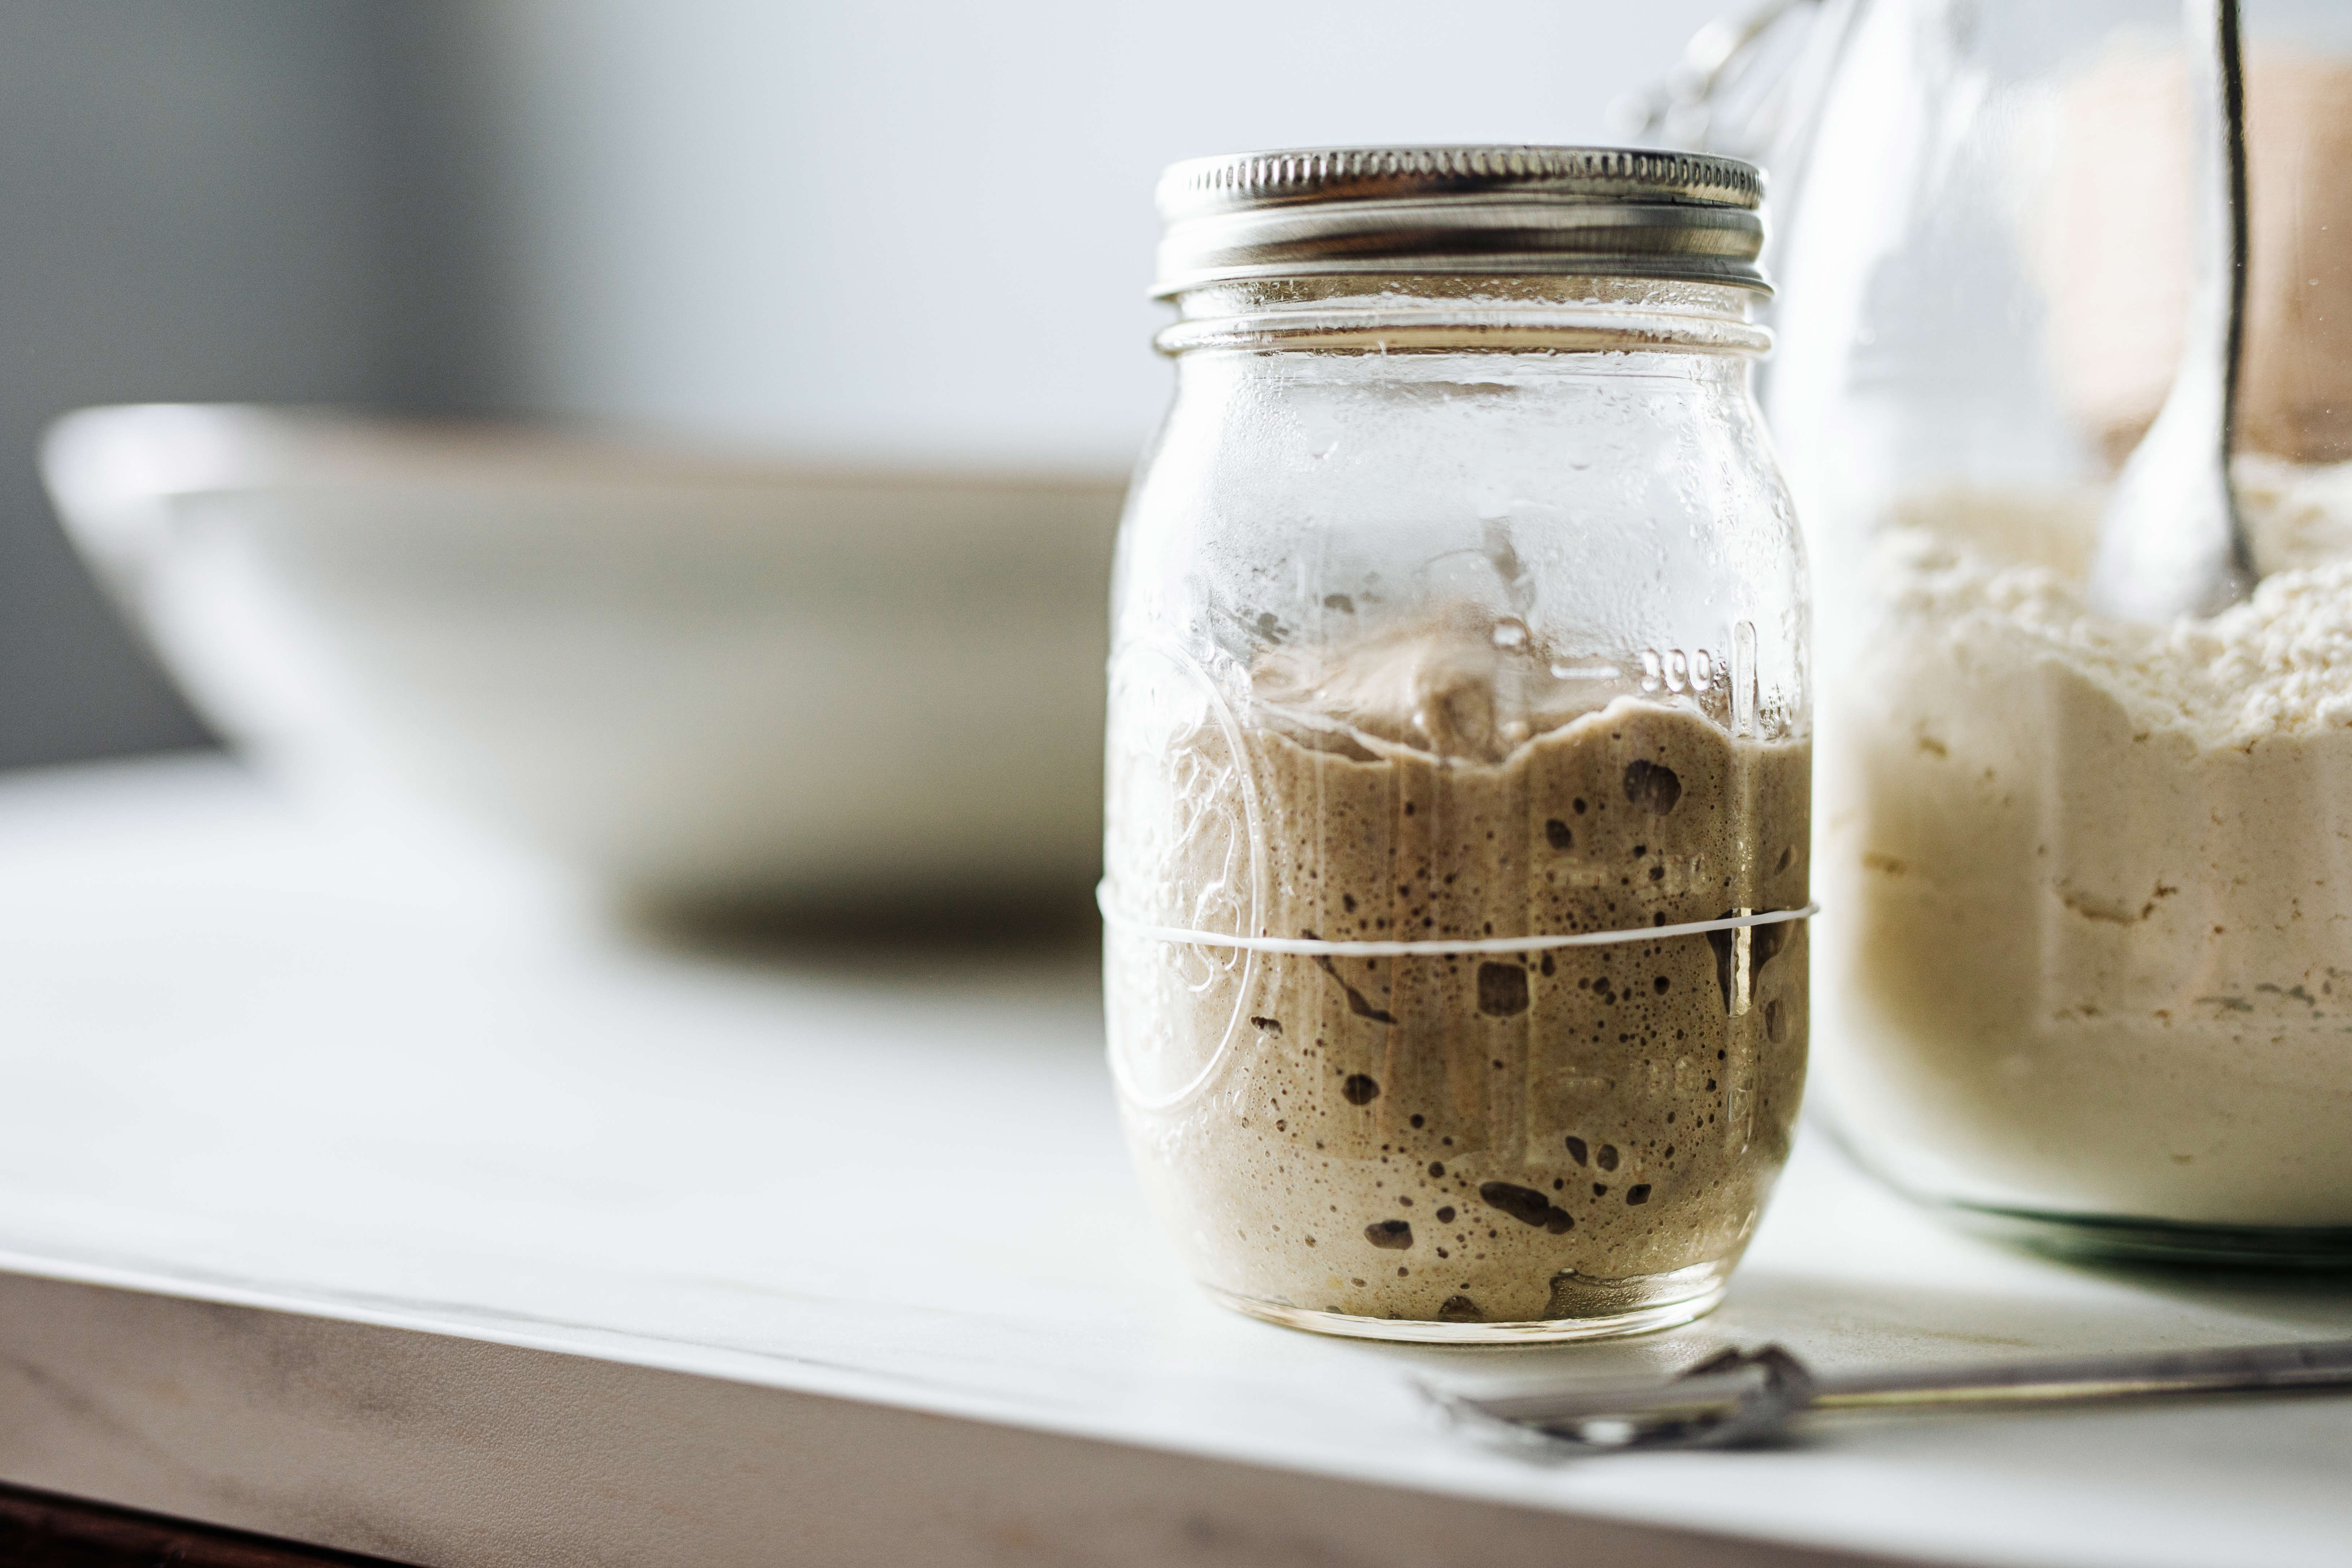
pixel 1315 947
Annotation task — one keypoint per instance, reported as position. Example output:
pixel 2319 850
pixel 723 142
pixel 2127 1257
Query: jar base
pixel 2122 1238
pixel 1641 1305
pixel 2116 1238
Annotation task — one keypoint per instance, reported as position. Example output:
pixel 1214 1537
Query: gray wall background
pixel 205 199
pixel 922 228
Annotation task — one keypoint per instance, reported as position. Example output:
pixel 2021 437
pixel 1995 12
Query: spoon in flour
pixel 2172 541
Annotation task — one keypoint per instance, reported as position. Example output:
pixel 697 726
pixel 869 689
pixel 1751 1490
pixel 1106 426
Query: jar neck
pixel 1381 313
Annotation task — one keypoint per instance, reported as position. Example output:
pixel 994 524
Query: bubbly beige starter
pixel 1470 1138
pixel 2091 883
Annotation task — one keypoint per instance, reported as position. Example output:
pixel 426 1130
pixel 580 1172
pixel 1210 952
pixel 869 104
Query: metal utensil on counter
pixel 1740 1398
pixel 2170 541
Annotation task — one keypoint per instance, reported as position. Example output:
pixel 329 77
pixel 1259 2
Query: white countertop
pixel 302 1083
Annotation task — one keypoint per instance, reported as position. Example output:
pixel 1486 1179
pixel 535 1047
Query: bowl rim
pixel 111 455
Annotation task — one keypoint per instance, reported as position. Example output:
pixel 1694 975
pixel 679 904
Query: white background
pixel 927 229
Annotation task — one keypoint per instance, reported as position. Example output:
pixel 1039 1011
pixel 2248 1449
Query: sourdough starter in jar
pixel 1489 1138
pixel 1457 814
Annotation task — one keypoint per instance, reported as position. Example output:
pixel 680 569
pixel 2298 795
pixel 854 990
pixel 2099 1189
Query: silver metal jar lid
pixel 1598 211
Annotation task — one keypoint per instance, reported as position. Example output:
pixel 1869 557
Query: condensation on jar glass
pixel 1459 745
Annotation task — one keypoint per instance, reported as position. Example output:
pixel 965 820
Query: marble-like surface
pixel 334 1077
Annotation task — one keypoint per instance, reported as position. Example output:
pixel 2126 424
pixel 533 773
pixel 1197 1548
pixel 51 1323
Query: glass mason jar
pixel 2086 971
pixel 1459 745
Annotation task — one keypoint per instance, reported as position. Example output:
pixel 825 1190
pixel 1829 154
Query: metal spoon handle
pixel 1708 1391
pixel 2218 76
pixel 2320 1364
pixel 2171 540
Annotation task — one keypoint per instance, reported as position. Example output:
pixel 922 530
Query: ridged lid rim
pixel 1612 210
pixel 1223 182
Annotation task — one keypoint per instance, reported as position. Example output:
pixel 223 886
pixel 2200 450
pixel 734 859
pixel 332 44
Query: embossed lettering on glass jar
pixel 1459 759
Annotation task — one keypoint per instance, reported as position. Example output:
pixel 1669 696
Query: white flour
pixel 2092 882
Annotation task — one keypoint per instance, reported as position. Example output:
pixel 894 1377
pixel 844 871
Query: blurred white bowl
pixel 704 682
